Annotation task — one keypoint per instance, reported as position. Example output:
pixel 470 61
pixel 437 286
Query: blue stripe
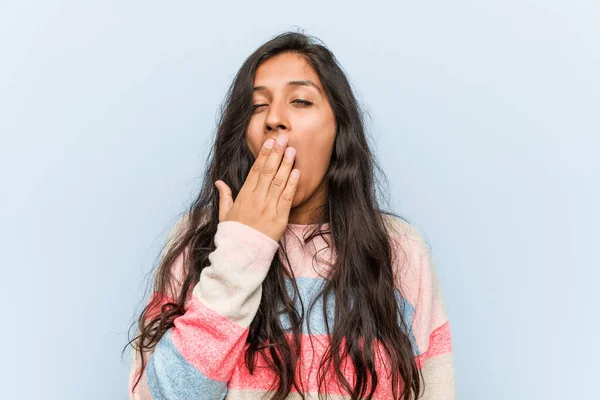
pixel 408 312
pixel 171 377
pixel 309 288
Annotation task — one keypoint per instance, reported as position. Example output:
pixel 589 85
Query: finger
pixel 271 166
pixel 285 200
pixel 253 175
pixel 225 199
pixel 280 180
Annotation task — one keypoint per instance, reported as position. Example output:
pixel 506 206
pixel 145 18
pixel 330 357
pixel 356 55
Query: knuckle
pixel 286 197
pixel 278 182
pixel 267 170
pixel 256 169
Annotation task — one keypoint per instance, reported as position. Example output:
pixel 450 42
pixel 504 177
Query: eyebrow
pixel 304 82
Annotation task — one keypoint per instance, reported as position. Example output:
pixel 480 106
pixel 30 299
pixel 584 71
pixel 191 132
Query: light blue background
pixel 486 118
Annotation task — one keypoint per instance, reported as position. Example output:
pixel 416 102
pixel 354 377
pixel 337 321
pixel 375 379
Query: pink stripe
pixel 440 342
pixel 208 341
pixel 160 300
pixel 307 369
pixel 177 277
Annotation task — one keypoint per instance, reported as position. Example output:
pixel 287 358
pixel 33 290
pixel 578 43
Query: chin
pixel 298 199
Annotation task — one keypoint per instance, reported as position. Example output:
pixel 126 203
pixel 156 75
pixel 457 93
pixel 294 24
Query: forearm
pixel 197 356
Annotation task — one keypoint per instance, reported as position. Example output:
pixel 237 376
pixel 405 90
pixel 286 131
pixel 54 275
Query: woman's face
pixel 285 101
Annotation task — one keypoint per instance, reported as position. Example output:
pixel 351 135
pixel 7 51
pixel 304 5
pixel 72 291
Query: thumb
pixel 225 199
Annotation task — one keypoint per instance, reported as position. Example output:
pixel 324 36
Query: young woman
pixel 285 279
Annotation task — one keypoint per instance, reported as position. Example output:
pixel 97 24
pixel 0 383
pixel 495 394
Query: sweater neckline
pixel 301 230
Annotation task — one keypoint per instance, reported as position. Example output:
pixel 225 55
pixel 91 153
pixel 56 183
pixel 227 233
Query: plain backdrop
pixel 485 116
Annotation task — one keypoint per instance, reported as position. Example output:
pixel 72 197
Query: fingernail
pixel 269 143
pixel 281 139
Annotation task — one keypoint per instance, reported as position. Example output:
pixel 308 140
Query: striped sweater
pixel 201 356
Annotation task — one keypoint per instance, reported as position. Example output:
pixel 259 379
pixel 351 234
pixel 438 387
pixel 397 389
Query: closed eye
pixel 303 103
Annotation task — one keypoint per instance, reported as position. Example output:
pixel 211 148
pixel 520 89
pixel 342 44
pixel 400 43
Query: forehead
pixel 277 71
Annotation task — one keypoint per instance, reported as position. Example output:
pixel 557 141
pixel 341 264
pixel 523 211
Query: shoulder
pixel 406 238
pixel 178 267
pixel 182 223
pixel 411 256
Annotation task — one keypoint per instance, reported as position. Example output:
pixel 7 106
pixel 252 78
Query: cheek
pixel 254 143
pixel 312 166
pixel 313 155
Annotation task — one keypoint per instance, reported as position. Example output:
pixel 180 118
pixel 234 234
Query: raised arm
pixel 197 356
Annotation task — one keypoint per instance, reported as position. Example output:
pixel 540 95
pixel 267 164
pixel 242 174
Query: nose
pixel 276 120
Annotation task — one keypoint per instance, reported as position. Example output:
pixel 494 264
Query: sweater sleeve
pixel 197 356
pixel 429 325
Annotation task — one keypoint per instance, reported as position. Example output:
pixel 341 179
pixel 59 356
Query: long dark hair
pixel 363 278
